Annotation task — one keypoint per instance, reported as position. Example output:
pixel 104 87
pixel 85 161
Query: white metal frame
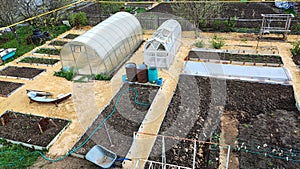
pixel 163 164
pixel 267 20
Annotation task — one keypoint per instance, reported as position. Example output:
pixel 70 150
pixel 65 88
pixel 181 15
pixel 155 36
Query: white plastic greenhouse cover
pixel 248 73
pixel 104 47
pixel 160 50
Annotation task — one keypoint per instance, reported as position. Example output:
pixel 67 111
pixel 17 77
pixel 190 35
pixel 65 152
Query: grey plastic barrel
pixel 142 73
pixel 131 72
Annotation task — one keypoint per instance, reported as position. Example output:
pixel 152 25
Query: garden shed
pixel 103 48
pixel 161 48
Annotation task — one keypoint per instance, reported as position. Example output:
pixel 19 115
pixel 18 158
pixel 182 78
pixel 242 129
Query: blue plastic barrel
pixel 152 74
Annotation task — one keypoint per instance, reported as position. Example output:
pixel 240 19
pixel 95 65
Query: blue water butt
pixel 152 74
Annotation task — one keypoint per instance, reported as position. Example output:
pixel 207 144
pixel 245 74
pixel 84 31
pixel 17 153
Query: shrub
pixel 68 74
pixel 217 42
pixel 296 48
pixel 296 28
pixel 78 19
pixel 230 24
pixel 199 44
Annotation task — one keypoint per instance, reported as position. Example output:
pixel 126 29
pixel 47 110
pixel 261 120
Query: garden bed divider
pixel 44 54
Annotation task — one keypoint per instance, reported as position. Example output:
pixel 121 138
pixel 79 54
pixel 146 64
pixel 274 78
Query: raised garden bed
pixel 35 60
pixel 58 43
pixel 225 57
pixel 21 72
pixel 71 36
pixel 266 113
pixel 48 51
pixel 124 121
pixel 31 130
pixel 7 88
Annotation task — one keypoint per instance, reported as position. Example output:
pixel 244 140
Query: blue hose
pixel 99 126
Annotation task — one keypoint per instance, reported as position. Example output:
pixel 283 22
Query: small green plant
pixel 246 125
pixel 78 19
pixel 216 24
pixel 270 164
pixel 209 162
pixel 244 40
pixel 217 42
pixel 272 114
pixel 296 48
pixel 230 24
pixel 296 28
pixel 102 77
pixel 68 74
pixel 199 44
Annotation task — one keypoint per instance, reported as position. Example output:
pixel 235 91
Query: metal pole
pixel 163 158
pixel 135 164
pixel 194 157
pixel 109 138
pixel 228 155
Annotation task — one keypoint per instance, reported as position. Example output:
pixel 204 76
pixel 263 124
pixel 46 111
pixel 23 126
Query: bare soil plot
pixel 6 88
pixel 21 72
pixel 30 129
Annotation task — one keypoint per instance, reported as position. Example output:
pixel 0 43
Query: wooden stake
pixel 40 128
pixel 43 123
pixel 2 121
pixel 5 119
pixel 53 122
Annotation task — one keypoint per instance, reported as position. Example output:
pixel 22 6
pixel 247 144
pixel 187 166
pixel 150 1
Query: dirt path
pixel 229 134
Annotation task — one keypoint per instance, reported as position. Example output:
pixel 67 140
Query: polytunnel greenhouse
pixel 160 50
pixel 103 48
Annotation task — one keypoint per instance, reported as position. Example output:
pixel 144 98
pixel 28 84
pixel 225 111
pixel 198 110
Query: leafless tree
pixel 195 11
pixel 8 10
pixel 8 15
pixel 31 8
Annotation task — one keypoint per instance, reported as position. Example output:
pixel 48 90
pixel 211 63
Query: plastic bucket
pixel 159 81
pixel 142 73
pixel 131 72
pixel 124 78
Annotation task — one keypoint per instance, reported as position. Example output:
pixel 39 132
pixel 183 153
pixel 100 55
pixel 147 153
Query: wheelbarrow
pixel 103 157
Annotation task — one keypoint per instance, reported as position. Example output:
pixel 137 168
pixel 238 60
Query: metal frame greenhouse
pixel 160 50
pixel 103 48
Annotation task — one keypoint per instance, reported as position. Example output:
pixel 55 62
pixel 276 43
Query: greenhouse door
pixel 81 60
